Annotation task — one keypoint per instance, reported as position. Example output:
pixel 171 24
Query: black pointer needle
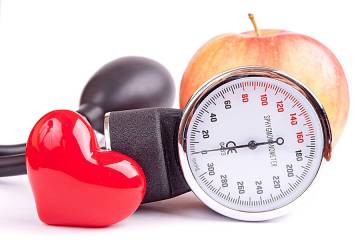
pixel 252 145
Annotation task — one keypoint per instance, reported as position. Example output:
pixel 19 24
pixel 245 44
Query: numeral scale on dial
pixel 280 153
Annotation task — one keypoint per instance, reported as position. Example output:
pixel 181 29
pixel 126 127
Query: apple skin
pixel 300 56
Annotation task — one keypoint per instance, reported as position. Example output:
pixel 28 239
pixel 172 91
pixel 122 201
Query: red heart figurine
pixel 75 183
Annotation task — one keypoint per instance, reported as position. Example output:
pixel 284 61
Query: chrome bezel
pixel 107 131
pixel 196 99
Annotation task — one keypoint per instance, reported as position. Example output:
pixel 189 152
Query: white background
pixel 49 49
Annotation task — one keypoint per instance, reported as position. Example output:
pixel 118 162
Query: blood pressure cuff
pixel 150 136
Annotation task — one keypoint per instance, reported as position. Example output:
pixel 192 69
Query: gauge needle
pixel 252 145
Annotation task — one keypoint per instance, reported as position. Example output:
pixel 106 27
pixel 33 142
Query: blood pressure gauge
pixel 251 141
pixel 248 143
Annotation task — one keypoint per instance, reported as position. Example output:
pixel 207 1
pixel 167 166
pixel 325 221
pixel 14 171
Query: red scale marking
pixel 277 89
pixel 266 86
pixel 297 103
pixel 311 129
pixel 286 96
pixel 302 111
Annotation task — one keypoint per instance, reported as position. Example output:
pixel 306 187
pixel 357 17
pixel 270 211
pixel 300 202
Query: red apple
pixel 300 56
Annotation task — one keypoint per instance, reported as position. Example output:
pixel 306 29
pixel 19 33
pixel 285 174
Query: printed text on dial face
pixel 254 144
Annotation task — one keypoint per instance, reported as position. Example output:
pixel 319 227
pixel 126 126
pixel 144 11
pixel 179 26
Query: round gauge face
pixel 254 144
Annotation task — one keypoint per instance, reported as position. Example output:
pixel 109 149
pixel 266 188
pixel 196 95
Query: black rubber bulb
pixel 126 83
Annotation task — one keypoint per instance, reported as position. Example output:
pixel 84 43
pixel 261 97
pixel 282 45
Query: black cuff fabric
pixel 150 137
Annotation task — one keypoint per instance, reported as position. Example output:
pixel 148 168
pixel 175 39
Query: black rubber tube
pixel 6 150
pixel 12 165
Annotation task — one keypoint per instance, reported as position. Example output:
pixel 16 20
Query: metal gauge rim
pixel 196 99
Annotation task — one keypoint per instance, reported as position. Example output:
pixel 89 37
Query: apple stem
pixel 252 19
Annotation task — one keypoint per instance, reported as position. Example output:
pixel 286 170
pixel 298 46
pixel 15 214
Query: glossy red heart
pixel 75 183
